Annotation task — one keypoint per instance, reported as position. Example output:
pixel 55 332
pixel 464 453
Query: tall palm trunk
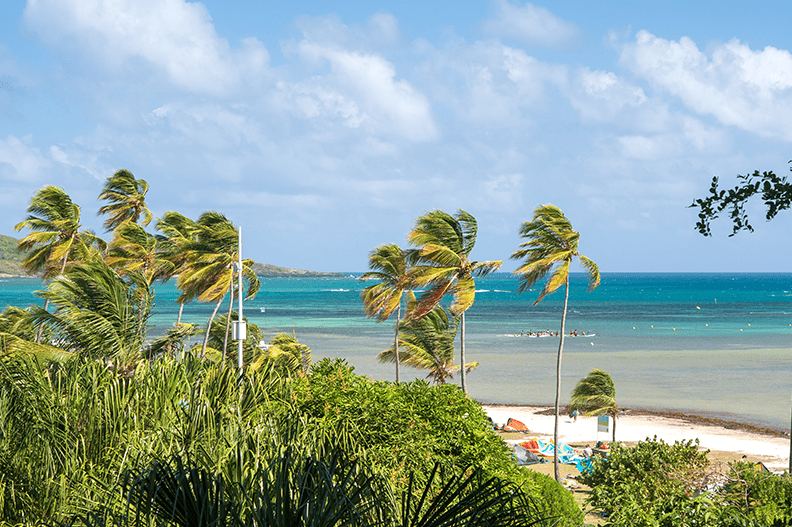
pixel 228 321
pixel 396 340
pixel 181 308
pixel 462 352
pixel 209 326
pixel 613 439
pixel 46 303
pixel 558 381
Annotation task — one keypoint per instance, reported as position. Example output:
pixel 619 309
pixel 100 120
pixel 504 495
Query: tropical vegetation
pixel 428 344
pixel 594 395
pixel 443 265
pixel 390 266
pixel 550 248
pixel 102 425
pixel 675 485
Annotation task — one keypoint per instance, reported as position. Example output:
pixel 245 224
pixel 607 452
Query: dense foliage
pixel 69 433
pixel 101 425
pixel 664 485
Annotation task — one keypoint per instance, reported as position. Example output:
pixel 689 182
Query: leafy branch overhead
pixel 776 192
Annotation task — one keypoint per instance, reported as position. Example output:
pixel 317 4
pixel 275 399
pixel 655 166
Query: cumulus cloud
pixel 490 83
pixel 362 90
pixel 21 162
pixel 173 36
pixel 529 24
pixel 739 86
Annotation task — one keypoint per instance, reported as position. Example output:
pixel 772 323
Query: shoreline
pixel 722 420
pixel 762 444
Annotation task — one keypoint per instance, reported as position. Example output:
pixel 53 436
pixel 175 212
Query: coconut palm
pixel 550 247
pixel 178 233
pixel 595 395
pixel 127 197
pixel 134 249
pixel 286 352
pixel 444 245
pixel 209 272
pixel 56 237
pixel 428 344
pixel 99 314
pixel 389 266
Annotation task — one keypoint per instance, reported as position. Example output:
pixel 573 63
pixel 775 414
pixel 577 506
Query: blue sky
pixel 325 129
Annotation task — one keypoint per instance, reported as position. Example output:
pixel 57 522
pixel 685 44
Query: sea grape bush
pixel 408 427
pixel 659 484
pixel 762 496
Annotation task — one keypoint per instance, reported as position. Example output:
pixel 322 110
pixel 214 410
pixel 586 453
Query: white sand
pixel 632 428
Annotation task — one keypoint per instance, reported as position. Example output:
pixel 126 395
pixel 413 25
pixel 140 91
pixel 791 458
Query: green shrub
pixel 548 490
pixel 411 426
pixel 650 484
pixel 759 495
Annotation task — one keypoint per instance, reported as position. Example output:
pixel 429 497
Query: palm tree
pixel 134 249
pixel 56 236
pixel 285 351
pixel 209 273
pixel 595 395
pixel 127 197
pixel 178 234
pixel 99 314
pixel 428 344
pixel 389 265
pixel 550 248
pixel 444 244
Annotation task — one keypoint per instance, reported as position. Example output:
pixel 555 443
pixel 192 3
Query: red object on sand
pixel 532 445
pixel 513 425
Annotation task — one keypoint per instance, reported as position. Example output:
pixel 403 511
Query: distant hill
pixel 273 271
pixel 11 260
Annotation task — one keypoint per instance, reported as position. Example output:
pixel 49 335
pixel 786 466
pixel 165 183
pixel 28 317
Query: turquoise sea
pixel 714 344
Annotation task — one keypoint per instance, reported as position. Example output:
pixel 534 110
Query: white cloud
pixel 361 89
pixel 174 36
pixel 491 84
pixel 529 24
pixel 20 162
pixel 740 87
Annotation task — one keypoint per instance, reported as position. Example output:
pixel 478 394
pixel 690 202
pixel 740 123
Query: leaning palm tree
pixel 56 238
pixel 428 344
pixel 444 244
pixel 550 248
pixel 134 249
pixel 178 234
pixel 287 353
pixel 99 314
pixel 127 197
pixel 209 272
pixel 389 266
pixel 595 395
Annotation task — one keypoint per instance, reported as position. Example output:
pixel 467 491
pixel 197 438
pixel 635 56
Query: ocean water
pixel 715 344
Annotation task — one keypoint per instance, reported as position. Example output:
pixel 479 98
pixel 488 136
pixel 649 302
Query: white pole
pixel 239 270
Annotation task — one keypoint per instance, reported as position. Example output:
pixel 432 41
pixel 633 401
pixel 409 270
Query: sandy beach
pixel 767 447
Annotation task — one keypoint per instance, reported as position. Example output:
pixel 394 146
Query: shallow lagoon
pixel 709 343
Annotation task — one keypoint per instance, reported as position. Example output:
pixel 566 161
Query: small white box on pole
pixel 239 330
